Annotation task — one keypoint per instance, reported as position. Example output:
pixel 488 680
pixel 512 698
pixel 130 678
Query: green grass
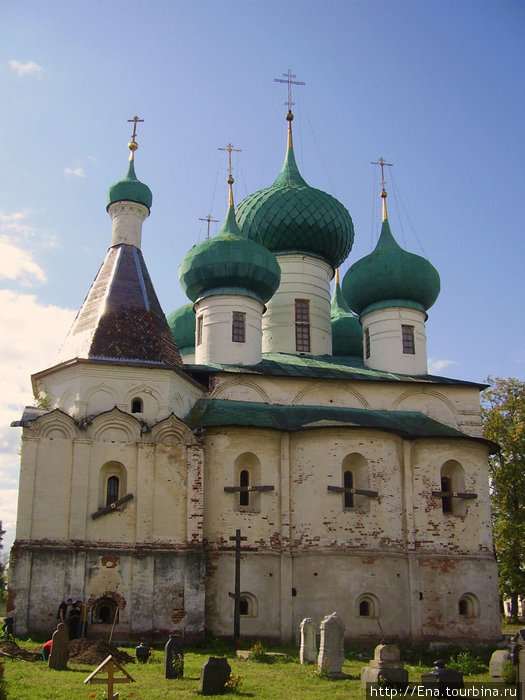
pixel 284 678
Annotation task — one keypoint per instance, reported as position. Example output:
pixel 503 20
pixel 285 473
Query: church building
pixel 282 409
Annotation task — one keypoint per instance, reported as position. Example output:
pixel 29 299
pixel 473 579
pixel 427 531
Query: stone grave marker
pixel 59 650
pixel 214 676
pixel 308 650
pixel 498 658
pixel 332 647
pixel 387 664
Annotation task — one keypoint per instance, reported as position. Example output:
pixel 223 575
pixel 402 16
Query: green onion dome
pixel 290 217
pixel 182 327
pixel 390 276
pixel 229 263
pixel 130 190
pixel 347 333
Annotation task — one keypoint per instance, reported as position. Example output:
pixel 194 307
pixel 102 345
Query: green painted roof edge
pixel 207 413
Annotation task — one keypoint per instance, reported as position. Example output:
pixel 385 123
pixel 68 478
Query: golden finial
pixel 337 275
pixel 133 145
pixel 289 117
pixel 382 163
pixel 230 180
pixel 209 220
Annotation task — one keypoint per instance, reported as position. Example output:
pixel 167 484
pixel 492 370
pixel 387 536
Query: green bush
pixel 508 672
pixel 468 663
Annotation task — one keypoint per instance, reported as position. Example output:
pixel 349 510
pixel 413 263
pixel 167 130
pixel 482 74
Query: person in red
pixel 46 649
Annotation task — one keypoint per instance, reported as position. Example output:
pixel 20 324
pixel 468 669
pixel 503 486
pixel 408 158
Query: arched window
pixel 112 483
pixel 136 406
pixel 248 605
pixel 244 496
pixel 348 483
pixel 367 605
pixel 452 479
pixel 244 606
pixel 468 605
pixel 112 490
pixel 246 474
pixel 364 608
pixel 354 475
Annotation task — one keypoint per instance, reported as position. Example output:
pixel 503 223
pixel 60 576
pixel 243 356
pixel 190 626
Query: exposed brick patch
pixel 109 562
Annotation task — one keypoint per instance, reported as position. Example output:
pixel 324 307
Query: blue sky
pixel 433 86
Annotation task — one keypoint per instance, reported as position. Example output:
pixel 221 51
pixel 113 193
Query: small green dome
pixel 228 263
pixel 347 332
pixel 182 327
pixel 290 217
pixel 130 190
pixel 390 276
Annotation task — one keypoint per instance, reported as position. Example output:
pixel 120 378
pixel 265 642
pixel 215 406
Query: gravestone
pixel 332 647
pixel 442 681
pixel 59 650
pixel 214 676
pixel 498 658
pixel 385 664
pixel 174 657
pixel 308 650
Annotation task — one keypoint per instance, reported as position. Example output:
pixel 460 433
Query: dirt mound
pixel 10 649
pixel 92 652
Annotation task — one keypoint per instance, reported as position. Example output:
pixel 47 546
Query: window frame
pixel 302 325
pixel 408 339
pixel 238 327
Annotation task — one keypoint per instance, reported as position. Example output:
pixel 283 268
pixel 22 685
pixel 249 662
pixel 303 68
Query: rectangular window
pixel 407 335
pixel 367 343
pixel 302 325
pixel 238 327
pixel 348 483
pixel 199 330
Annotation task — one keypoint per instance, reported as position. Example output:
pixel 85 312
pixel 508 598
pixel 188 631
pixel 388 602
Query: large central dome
pixel 290 216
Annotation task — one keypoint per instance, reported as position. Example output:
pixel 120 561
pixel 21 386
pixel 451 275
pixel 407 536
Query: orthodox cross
pixel 110 665
pixel 230 148
pixel 454 494
pixel 112 506
pixel 135 120
pixel 381 162
pixel 288 79
pixel 236 595
pixel 357 492
pixel 209 220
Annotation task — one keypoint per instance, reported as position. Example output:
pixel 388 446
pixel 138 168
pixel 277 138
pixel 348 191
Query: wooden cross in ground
pixel 111 665
pixel 237 590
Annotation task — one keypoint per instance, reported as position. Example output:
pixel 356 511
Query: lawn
pixel 284 678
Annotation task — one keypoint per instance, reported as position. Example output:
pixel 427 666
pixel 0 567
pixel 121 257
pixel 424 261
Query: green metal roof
pixel 130 190
pixel 182 327
pixel 290 216
pixel 390 274
pixel 208 413
pixel 325 367
pixel 347 332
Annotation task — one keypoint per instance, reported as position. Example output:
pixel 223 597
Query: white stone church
pixel 301 415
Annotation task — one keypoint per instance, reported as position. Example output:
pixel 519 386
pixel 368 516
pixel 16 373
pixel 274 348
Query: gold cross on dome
pixel 381 162
pixel 230 148
pixel 288 79
pixel 209 220
pixel 135 120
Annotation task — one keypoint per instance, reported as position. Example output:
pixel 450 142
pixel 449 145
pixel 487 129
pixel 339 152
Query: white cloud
pixel 75 172
pixel 27 68
pixel 32 336
pixel 17 263
pixel 435 366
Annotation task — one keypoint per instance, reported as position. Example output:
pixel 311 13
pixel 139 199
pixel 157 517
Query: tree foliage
pixel 503 410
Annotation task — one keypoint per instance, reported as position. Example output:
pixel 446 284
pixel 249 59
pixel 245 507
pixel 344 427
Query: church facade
pixel 302 416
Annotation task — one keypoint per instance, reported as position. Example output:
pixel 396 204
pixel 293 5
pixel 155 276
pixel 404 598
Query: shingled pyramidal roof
pixel 121 318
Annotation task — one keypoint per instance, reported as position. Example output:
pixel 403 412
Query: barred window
pixel 199 330
pixel 244 480
pixel 348 483
pixel 302 325
pixel 238 327
pixel 407 334
pixel 112 490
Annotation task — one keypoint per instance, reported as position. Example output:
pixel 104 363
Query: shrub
pixel 258 653
pixel 468 663
pixel 508 672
